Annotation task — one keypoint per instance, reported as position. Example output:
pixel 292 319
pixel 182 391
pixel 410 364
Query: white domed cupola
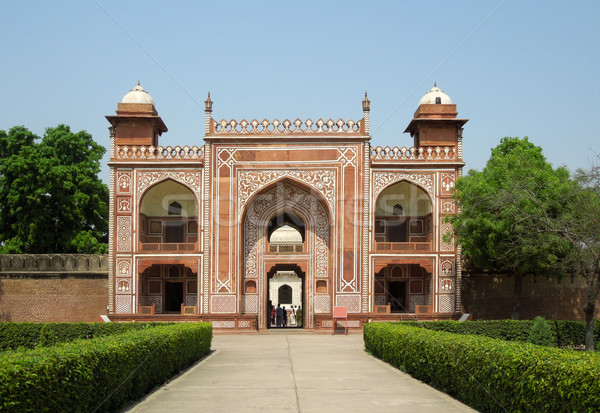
pixel 137 122
pixel 435 96
pixel 436 123
pixel 138 95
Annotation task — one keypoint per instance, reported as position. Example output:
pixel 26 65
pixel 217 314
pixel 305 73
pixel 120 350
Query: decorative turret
pixel 208 114
pixel 137 121
pixel 435 122
pixel 366 104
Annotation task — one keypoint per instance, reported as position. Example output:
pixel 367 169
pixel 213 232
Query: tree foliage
pixel 493 225
pixel 52 198
pixel 521 215
pixel 494 233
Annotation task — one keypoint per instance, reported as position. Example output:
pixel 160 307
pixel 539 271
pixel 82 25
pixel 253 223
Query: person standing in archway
pixel 293 316
pixel 299 317
pixel 270 313
pixel 279 315
pixel 285 316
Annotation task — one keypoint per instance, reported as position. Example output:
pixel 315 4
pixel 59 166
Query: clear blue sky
pixel 514 68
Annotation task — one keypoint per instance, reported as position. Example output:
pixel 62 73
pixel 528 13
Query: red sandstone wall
pixel 489 297
pixel 53 299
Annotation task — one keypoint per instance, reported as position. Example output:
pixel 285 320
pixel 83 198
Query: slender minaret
pixel 366 104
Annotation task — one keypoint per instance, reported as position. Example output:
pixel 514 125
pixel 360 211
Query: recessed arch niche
pixel 403 214
pixel 168 215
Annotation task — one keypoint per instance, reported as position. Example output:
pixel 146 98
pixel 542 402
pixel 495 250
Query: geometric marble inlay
pixel 446 303
pixel 223 324
pixel 322 304
pixel 351 302
pixel 123 304
pixel 223 303
pixel 416 300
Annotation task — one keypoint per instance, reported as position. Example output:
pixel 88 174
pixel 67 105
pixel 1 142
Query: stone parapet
pixel 160 153
pixel 276 127
pixel 48 265
pixel 404 154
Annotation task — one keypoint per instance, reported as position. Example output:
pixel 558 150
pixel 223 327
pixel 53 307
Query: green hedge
pixel 102 374
pixel 15 335
pixel 568 333
pixel 488 374
pixel 31 335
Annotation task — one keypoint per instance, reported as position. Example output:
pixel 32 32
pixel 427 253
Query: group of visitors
pixel 282 317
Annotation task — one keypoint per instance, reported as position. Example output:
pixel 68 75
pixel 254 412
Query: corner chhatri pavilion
pixel 303 213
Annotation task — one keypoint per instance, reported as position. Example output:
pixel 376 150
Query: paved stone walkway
pixel 295 372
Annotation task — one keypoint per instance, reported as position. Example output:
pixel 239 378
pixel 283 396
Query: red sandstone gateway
pixel 305 214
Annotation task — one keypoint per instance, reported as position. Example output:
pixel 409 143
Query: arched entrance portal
pixel 287 224
pixel 285 289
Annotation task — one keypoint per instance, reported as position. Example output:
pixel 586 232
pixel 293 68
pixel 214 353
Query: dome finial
pixel 435 96
pixel 366 103
pixel 208 104
pixel 434 83
pixel 138 95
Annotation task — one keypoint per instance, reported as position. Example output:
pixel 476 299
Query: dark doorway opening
pixel 173 296
pixel 397 296
pixel 397 231
pixel 174 232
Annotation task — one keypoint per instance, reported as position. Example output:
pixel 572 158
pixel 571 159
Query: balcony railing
pixel 285 248
pixel 168 247
pixel 403 246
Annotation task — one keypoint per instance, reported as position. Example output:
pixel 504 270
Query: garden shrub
pixel 102 374
pixel 566 333
pixel 541 333
pixel 488 374
pixel 571 333
pixel 509 330
pixel 15 335
pixel 31 335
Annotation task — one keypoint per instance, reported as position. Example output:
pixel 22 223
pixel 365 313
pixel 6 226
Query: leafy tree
pixel 496 234
pixel 52 198
pixel 577 224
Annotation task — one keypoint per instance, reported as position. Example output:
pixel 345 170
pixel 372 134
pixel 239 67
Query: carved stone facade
pixel 197 226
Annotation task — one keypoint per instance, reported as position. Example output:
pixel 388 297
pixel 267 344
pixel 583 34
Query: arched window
pixel 175 208
pixel 398 210
pixel 174 271
pixel 284 294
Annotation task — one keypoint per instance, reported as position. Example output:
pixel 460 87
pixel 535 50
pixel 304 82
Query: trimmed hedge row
pixel 31 335
pixel 102 374
pixel 488 374
pixel 568 333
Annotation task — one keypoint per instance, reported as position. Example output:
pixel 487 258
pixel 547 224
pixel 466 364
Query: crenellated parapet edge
pixel 53 263
pixel 160 152
pixel 423 153
pixel 287 127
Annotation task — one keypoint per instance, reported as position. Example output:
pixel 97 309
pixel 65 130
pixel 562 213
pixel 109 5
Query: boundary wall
pixel 53 287
pixel 488 296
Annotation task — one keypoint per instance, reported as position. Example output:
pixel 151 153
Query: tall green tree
pixel 577 223
pixel 494 227
pixel 52 198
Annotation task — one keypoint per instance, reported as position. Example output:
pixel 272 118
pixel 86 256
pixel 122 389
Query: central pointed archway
pixel 303 209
